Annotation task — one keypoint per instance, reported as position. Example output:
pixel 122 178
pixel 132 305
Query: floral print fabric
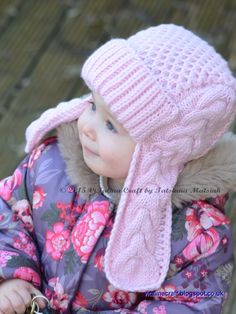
pixel 53 238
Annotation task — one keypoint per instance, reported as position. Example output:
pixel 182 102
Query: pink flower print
pixel 37 152
pixel 118 299
pixel 201 232
pixel 69 207
pixel 210 215
pixel 178 260
pixel 48 292
pixel 225 240
pixel 220 201
pixel 59 300
pixel 99 259
pixel 159 310
pixel 27 274
pixel 86 233
pixel 5 256
pixel 22 210
pixel 68 212
pixel 57 241
pixel 9 184
pixel 38 197
pixel 24 243
pixel 203 245
pixel 80 301
pixel 188 274
pixel 203 272
pixel 142 307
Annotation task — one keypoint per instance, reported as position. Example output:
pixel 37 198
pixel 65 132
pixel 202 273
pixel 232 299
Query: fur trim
pixel 76 169
pixel 211 175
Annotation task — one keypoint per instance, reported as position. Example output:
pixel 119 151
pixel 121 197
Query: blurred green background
pixel 44 43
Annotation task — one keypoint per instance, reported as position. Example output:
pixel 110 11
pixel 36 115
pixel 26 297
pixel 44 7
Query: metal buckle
pixel 34 307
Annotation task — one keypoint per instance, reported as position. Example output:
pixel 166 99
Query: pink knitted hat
pixel 176 96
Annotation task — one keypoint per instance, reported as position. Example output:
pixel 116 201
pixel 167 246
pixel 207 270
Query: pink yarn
pixel 176 96
pixel 52 118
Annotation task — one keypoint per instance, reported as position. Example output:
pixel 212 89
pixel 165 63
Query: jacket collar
pixel 209 176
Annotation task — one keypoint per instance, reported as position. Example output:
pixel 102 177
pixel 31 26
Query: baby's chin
pixel 114 179
pixel 95 171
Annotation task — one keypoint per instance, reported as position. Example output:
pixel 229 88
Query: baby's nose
pixel 89 132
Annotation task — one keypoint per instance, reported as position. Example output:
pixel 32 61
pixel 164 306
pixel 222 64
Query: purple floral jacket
pixel 55 237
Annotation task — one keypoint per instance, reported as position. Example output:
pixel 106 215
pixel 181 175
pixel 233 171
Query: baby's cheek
pixel 109 156
pixel 79 120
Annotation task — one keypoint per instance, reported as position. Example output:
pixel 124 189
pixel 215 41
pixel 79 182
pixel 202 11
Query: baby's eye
pixel 93 107
pixel 110 126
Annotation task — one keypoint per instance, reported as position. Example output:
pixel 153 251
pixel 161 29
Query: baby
pixel 74 230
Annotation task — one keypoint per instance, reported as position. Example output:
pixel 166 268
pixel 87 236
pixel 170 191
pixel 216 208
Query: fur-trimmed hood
pixel 211 175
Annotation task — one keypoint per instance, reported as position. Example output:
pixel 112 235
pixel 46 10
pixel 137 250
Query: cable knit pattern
pixel 141 245
pixel 176 96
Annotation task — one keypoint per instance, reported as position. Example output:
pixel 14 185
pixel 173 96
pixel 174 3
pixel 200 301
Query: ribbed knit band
pixel 117 74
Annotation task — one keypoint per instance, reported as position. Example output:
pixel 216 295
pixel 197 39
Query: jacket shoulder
pixel 48 144
pixel 46 151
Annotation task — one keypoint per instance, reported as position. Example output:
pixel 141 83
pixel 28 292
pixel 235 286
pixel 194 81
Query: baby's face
pixel 107 146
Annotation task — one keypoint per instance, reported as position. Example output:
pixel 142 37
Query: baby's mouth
pixel 88 151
